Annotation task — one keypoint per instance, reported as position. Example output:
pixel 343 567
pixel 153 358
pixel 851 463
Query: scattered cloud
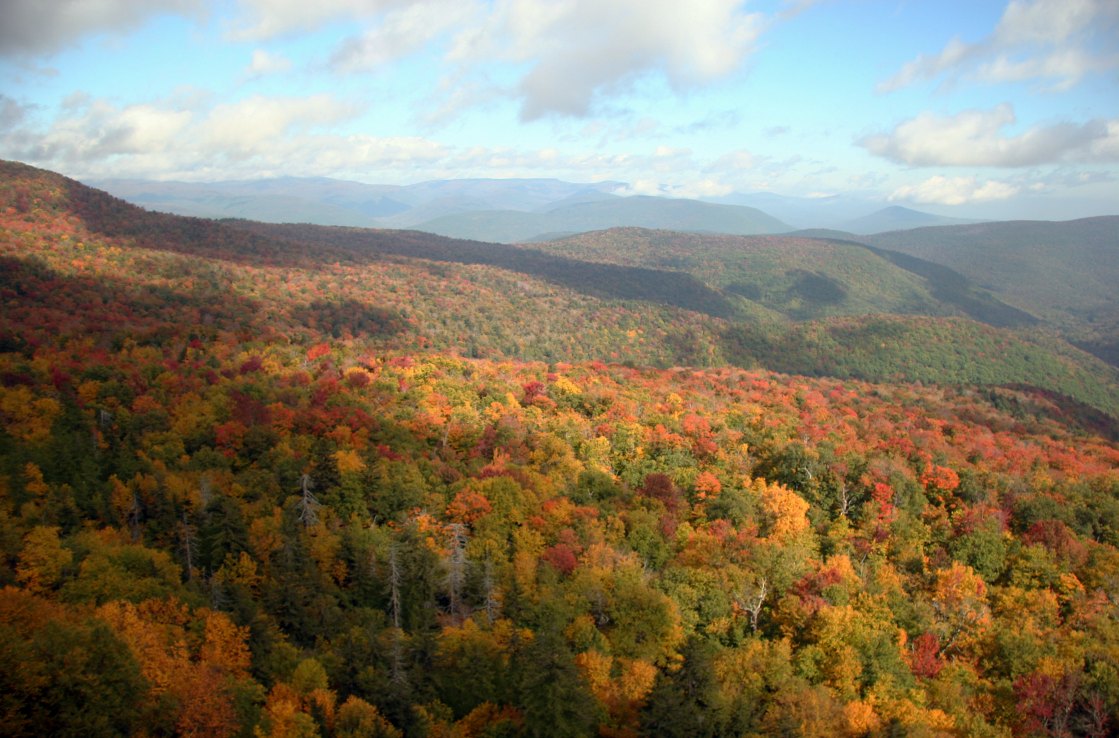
pixel 692 189
pixel 793 8
pixel 942 190
pixel 95 137
pixel 32 27
pixel 553 58
pixel 11 113
pixel 265 62
pixel 266 19
pixel 401 32
pixel 95 130
pixel 1058 41
pixel 977 138
pixel 733 161
pixel 577 51
pixel 263 136
pixel 714 121
pixel 246 127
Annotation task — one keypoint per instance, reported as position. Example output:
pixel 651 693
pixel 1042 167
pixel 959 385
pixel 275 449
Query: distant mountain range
pixel 324 201
pixel 897 218
pixel 842 305
pixel 1062 273
pixel 693 216
pixel 509 210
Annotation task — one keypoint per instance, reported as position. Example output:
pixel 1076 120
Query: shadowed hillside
pixel 1064 273
pixel 609 281
pixel 647 297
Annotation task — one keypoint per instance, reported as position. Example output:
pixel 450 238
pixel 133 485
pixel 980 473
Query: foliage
pixel 245 491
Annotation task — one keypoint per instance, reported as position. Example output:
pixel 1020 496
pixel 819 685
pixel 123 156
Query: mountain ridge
pixel 328 201
pixel 671 304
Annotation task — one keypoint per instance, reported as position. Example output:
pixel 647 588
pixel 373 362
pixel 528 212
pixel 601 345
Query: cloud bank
pixel 940 190
pixel 34 27
pixel 977 138
pixel 1059 41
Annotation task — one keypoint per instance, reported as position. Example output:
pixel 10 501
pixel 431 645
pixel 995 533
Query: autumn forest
pixel 262 480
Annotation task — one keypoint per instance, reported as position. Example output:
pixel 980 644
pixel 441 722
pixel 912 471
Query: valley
pixel 292 479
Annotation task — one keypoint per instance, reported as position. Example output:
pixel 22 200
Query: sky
pixel 960 107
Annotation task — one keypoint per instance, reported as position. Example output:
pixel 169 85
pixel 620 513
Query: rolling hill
pixel 1064 272
pixel 897 218
pixel 800 277
pixel 326 201
pixel 598 214
pixel 648 297
pixel 504 211
pixel 264 480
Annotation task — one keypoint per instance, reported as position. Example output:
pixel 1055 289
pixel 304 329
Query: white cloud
pixel 555 57
pixel 1106 147
pixel 1046 21
pixel 925 67
pixel 689 188
pixel 45 26
pixel 266 19
pixel 96 130
pixel 247 126
pixel 942 190
pixel 248 138
pixel 400 33
pixel 264 62
pixel 1060 41
pixel 577 50
pixel 975 138
pixel 732 161
pixel 11 113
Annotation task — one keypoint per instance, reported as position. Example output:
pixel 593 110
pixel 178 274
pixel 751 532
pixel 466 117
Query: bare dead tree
pixel 456 567
pixel 844 500
pixel 397 673
pixel 752 600
pixel 394 586
pixel 308 503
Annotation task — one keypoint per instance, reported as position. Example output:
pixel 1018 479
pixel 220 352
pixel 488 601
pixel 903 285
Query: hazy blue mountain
pixel 691 216
pixel 897 218
pixel 327 201
pixel 286 199
pixel 831 211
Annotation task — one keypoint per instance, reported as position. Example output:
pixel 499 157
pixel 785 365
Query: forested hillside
pixel 260 482
pixel 1063 272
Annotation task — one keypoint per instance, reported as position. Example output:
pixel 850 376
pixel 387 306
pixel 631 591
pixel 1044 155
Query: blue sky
pixel 971 108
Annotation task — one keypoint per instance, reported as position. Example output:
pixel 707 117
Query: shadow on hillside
pixel 609 281
pixel 340 317
pixel 1104 350
pixel 953 288
pixel 111 311
pixel 311 247
pixel 114 218
pixel 1061 407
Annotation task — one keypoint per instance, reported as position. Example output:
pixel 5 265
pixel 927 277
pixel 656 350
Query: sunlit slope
pixel 688 303
pixel 1065 273
pixel 802 278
